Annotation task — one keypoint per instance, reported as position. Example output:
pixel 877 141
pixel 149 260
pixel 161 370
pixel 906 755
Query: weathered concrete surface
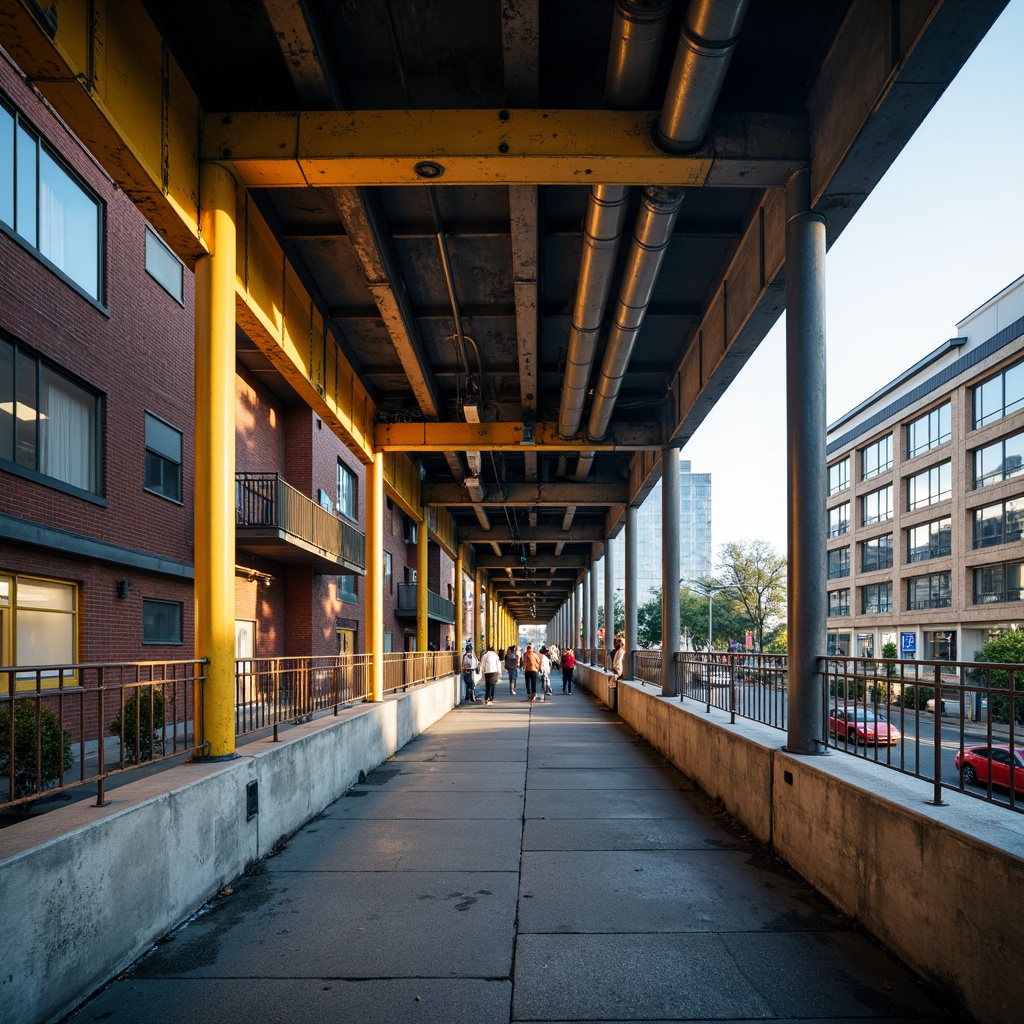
pixel 519 863
pixel 941 886
pixel 86 890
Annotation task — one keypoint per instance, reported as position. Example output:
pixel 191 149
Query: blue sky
pixel 940 234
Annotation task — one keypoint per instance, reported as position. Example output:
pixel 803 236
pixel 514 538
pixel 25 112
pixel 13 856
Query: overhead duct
pixel 637 35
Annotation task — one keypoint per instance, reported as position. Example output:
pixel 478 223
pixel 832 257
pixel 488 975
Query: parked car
pixel 977 765
pixel 860 725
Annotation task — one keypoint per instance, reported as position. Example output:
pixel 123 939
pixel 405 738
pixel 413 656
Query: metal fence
pixel 67 725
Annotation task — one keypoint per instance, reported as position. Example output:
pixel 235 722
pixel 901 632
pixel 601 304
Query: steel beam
pixel 541 495
pixel 508 436
pixel 492 147
pixel 586 534
pixel 568 563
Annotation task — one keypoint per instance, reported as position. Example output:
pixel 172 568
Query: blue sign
pixel 908 643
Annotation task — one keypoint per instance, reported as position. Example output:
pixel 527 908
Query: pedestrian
pixel 512 667
pixel 618 658
pixel 490 666
pixel 545 673
pixel 531 666
pixel 469 664
pixel 568 667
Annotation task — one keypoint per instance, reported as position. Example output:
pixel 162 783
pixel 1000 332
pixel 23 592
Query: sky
pixel 941 233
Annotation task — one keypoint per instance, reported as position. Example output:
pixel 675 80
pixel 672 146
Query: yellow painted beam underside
pixel 508 436
pixel 470 147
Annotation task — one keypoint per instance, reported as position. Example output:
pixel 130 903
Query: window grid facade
pixel 876 458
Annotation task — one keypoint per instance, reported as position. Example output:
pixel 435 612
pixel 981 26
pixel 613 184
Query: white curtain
pixel 67 432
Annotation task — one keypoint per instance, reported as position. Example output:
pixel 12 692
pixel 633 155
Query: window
pixel 939 645
pixel 876 598
pixel 37 622
pixel 161 621
pixel 346 491
pixel 839 476
pixel 388 573
pixel 164 267
pixel 347 588
pixel 838 645
pixel 876 554
pixel 839 520
pixel 999 396
pixel 995 583
pixel 163 458
pixel 930 540
pixel 46 208
pixel 1000 461
pixel 929 487
pixel 839 602
pixel 929 431
pixel 49 424
pixel 930 592
pixel 999 524
pixel 876 458
pixel 838 563
pixel 877 506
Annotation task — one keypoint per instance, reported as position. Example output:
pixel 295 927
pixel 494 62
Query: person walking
pixel 531 666
pixel 469 664
pixel 545 673
pixel 512 667
pixel 490 666
pixel 568 668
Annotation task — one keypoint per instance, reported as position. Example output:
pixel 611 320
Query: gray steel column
pixel 574 632
pixel 585 639
pixel 609 598
pixel 592 622
pixel 670 501
pixel 630 583
pixel 806 476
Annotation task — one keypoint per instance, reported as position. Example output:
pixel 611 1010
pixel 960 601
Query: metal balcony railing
pixel 264 500
pixel 438 607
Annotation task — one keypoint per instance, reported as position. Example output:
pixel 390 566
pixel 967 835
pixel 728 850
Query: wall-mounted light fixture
pixel 124 588
pixel 254 575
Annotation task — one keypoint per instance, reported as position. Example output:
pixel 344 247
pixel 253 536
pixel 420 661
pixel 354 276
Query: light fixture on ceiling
pixel 471 409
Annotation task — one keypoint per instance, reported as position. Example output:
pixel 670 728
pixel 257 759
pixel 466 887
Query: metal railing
pixel 265 500
pixel 749 685
pixel 66 725
pixel 438 607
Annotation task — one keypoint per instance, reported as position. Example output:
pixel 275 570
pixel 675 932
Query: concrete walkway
pixel 518 863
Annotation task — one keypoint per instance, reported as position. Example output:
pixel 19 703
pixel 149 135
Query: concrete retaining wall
pixel 87 890
pixel 939 886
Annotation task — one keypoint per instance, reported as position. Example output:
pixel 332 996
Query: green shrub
pixel 143 724
pixel 917 696
pixel 889 652
pixel 1006 648
pixel 54 749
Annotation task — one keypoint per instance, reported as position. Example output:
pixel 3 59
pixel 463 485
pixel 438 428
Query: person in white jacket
pixel 469 664
pixel 545 672
pixel 490 666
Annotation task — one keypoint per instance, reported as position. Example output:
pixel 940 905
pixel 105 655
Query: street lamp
pixel 710 589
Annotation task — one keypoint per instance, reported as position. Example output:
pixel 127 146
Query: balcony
pixel 438 607
pixel 275 520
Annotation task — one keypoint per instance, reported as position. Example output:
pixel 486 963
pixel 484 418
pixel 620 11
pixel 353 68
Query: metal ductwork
pixel 637 36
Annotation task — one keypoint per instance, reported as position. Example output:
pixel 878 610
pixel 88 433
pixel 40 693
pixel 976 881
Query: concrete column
pixel 575 642
pixel 609 597
pixel 592 624
pixel 375 576
pixel 806 478
pixel 670 499
pixel 214 519
pixel 630 581
pixel 422 572
pixel 585 637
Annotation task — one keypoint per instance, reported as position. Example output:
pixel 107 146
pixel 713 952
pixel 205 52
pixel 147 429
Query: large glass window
pixel 161 621
pixel 346 491
pixel 876 553
pixel 839 520
pixel 48 423
pixel 838 563
pixel 932 591
pixel 838 602
pixel 837 645
pixel 996 583
pixel 877 506
pixel 46 207
pixel 938 645
pixel 999 523
pixel 929 431
pixel 1000 461
pixel 37 622
pixel 999 396
pixel 388 573
pixel 929 487
pixel 346 588
pixel 876 598
pixel 930 540
pixel 839 476
pixel 876 458
pixel 164 267
pixel 163 458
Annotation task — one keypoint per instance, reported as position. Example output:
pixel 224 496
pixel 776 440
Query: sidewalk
pixel 518 863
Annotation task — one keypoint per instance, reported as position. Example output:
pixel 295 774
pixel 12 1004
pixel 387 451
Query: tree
pixel 648 622
pixel 618 615
pixel 756 574
pixel 1006 649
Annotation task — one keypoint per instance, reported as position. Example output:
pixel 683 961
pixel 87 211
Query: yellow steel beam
pixel 488 147
pixel 508 436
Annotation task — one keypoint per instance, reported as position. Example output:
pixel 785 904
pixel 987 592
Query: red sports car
pixel 859 725
pixel 977 765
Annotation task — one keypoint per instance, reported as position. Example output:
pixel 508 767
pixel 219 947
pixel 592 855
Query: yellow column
pixel 214 509
pixel 479 608
pixel 460 642
pixel 422 540
pixel 375 577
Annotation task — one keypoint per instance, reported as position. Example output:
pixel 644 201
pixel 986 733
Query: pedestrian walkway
pixel 518 863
